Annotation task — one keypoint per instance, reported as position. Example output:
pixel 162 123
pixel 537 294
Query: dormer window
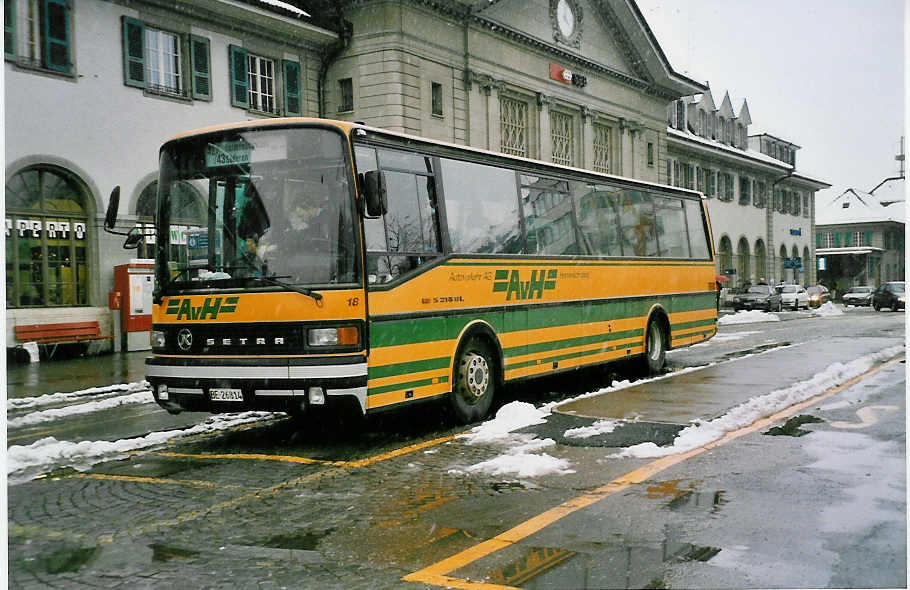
pixel 681 114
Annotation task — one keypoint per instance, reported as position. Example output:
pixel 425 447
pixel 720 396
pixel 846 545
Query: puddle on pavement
pixel 303 539
pixel 533 563
pixel 507 486
pixel 792 426
pixel 162 552
pixel 69 559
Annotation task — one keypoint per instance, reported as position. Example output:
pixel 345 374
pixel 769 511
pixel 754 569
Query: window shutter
pixel 846 239
pixel 291 87
pixel 868 239
pixel 9 29
pixel 836 240
pixel 56 35
pixel 239 81
pixel 133 52
pixel 202 74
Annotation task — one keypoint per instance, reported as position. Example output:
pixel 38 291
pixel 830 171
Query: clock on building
pixel 566 17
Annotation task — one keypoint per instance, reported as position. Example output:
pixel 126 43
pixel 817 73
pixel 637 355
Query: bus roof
pixel 347 127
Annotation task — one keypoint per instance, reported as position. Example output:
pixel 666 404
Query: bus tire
pixel 655 347
pixel 474 381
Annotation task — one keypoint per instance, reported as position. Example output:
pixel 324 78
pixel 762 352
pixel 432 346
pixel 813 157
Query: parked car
pixel 818 295
pixel 757 297
pixel 793 296
pixel 889 295
pixel 858 296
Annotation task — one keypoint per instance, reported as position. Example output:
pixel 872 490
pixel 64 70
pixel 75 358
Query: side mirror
pixel 374 191
pixel 113 206
pixel 133 238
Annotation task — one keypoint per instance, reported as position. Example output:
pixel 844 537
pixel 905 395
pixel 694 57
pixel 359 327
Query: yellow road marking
pixel 154 480
pixel 307 460
pixel 272 490
pixel 436 573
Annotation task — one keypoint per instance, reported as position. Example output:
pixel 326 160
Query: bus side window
pixel 407 236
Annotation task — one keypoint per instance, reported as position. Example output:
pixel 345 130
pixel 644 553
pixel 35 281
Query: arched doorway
pixel 742 262
pixel 46 239
pixel 808 267
pixel 797 273
pixel 783 269
pixel 724 255
pixel 761 261
pixel 145 219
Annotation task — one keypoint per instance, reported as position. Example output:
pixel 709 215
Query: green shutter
pixel 836 240
pixel 868 239
pixel 291 87
pixel 9 28
pixel 239 81
pixel 847 239
pixel 202 71
pixel 818 240
pixel 133 52
pixel 55 24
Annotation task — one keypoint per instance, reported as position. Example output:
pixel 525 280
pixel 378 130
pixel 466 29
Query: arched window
pixel 806 267
pixel 794 254
pixel 46 239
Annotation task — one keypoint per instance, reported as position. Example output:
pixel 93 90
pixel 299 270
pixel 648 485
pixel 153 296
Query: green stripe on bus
pixel 408 385
pixel 569 343
pixel 447 327
pixel 561 357
pixel 408 367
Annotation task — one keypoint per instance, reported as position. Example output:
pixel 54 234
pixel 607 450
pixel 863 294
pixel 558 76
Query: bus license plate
pixel 226 395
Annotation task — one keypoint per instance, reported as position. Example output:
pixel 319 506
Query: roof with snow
pixel 855 206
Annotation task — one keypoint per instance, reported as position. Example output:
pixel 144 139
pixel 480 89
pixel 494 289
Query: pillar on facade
pixel 587 137
pixel 544 139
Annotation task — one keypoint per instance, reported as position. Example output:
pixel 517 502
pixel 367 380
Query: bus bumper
pixel 292 385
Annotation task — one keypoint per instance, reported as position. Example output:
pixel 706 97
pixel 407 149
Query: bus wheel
pixel 472 392
pixel 655 350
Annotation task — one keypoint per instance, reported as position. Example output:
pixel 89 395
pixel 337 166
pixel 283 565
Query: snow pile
pixel 142 397
pixel 747 317
pixel 57 398
pixel 520 458
pixel 829 309
pixel 511 416
pixel 758 407
pixel 50 452
pixel 596 429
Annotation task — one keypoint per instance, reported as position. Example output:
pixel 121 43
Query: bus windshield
pixel 257 206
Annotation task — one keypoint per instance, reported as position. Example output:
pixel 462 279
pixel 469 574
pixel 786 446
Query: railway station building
pixel 93 88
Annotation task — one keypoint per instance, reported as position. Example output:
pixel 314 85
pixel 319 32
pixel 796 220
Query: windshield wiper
pixel 273 280
pixel 302 290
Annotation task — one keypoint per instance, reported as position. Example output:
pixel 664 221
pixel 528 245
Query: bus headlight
pixel 344 336
pixel 158 339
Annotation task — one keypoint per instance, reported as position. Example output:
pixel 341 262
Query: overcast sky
pixel 827 75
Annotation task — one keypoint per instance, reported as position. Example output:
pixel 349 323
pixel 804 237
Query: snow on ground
pixel 596 429
pixel 828 310
pixel 519 456
pixel 49 452
pixel 759 407
pixel 747 317
pixel 57 398
pixel 32 418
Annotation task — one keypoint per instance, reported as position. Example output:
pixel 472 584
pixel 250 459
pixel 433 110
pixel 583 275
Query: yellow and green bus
pixel 306 262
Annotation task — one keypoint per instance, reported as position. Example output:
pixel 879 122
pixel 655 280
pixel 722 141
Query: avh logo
pixel 209 309
pixel 510 282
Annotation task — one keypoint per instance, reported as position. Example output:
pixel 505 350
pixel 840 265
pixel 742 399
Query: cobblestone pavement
pixel 281 505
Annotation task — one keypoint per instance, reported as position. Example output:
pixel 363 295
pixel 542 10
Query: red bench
pixel 59 333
